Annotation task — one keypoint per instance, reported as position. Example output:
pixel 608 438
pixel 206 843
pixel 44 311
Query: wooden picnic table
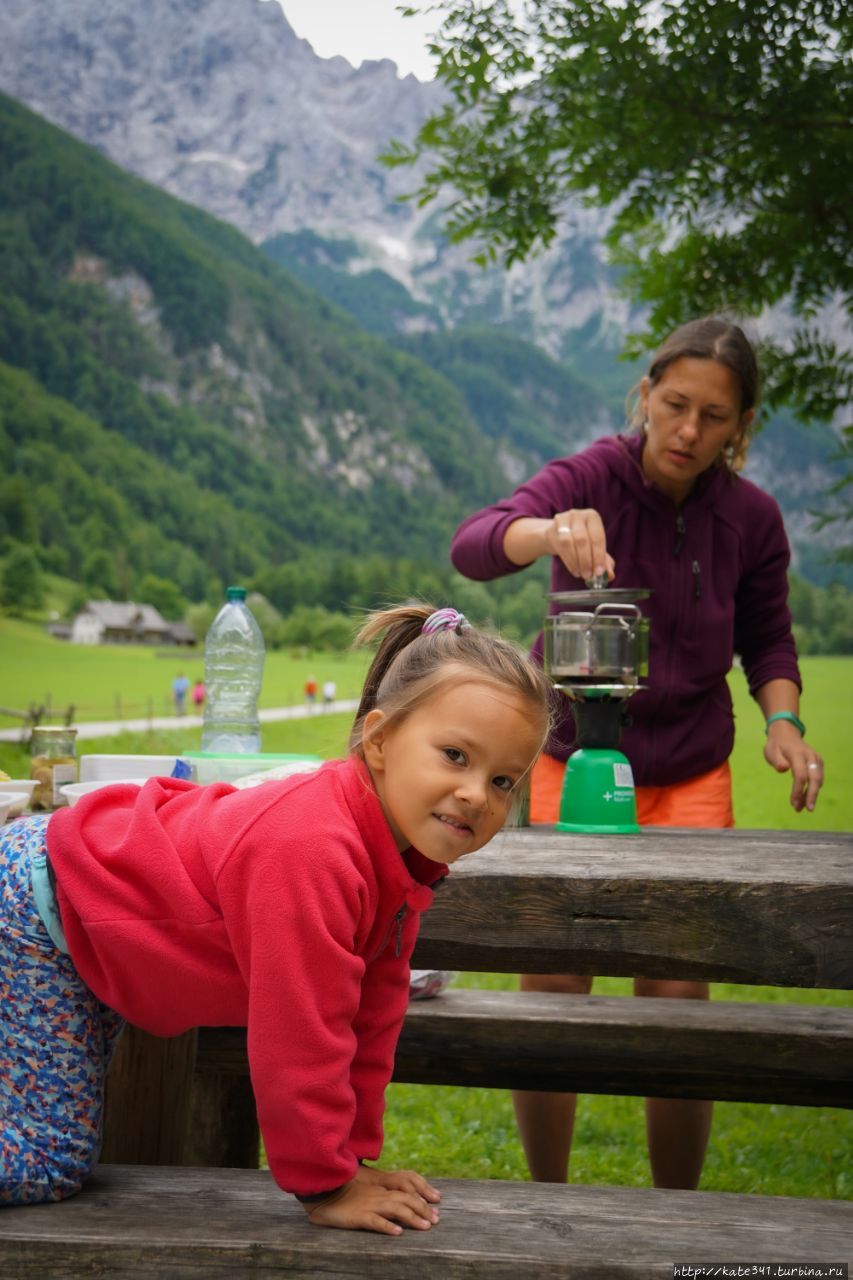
pixel 761 907
pixel 773 908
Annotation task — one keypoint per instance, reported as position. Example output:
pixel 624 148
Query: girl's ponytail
pixel 402 624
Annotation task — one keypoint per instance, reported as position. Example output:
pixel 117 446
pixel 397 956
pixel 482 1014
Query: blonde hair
pixel 410 666
pixel 711 338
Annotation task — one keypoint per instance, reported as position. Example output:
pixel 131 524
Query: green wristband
pixel 785 715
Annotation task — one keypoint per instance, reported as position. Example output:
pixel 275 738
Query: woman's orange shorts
pixel 703 801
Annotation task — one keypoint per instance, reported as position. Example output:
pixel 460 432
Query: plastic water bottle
pixel 233 671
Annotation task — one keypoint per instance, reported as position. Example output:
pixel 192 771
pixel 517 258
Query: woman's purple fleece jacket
pixel 717 568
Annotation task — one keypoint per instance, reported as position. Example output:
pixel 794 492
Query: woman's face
pixel 692 413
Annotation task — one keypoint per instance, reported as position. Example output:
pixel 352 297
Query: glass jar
pixel 53 762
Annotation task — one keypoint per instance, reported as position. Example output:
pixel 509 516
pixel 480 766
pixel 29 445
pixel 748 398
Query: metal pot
pixel 610 642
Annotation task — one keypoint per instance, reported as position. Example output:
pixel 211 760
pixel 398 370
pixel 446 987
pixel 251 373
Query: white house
pixel 109 622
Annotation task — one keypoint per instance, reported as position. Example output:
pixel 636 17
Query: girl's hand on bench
pixel 380 1200
pixel 398 1180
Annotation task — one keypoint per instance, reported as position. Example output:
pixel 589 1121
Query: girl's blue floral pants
pixel 56 1039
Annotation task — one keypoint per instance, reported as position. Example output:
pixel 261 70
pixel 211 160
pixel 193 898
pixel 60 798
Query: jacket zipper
pixel 396 921
pixel 679 534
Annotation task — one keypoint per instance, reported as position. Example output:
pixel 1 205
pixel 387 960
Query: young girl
pixel 290 908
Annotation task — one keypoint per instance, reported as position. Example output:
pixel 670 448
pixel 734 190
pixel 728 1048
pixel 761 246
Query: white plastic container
pixel 11 804
pixel 109 768
pixel 19 787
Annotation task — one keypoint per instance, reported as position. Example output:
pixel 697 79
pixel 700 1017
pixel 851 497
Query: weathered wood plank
pixel 771 908
pixel 790 1054
pixel 182 1224
pixel 787 1054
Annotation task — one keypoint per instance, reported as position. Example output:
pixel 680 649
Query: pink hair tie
pixel 445 620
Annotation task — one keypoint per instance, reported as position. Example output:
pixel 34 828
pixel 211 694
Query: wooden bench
pixel 732 1052
pixel 766 908
pixel 232 1223
pixel 770 908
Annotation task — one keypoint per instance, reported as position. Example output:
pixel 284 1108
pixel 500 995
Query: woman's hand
pixel 578 538
pixel 379 1200
pixel 785 749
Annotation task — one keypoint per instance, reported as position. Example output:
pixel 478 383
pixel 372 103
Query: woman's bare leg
pixel 677 1128
pixel 546 1120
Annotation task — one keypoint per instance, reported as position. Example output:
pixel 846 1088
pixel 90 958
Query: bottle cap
pixel 235 593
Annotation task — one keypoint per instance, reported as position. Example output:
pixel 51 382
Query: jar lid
pixel 601 595
pixel 54 731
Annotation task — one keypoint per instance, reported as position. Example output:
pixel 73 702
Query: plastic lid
pixel 235 593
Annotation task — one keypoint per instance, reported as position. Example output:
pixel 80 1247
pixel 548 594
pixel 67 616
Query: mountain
pixel 170 391
pixel 220 103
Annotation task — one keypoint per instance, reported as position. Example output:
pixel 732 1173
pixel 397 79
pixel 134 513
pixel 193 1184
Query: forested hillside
pixel 172 398
pixel 175 406
pixel 504 378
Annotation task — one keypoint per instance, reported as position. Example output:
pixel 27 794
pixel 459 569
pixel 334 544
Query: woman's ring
pixel 812 765
pixel 564 528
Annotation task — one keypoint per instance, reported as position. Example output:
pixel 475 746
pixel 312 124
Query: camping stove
pixel 597 654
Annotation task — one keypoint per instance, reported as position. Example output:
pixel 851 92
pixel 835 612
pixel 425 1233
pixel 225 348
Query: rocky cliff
pixel 220 103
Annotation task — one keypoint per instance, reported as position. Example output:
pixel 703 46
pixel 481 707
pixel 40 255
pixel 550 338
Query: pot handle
pixel 619 609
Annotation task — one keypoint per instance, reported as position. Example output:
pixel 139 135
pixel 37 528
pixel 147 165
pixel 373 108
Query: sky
pixel 359 29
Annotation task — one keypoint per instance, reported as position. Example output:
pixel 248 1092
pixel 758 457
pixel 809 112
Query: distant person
pixel 310 692
pixel 662 506
pixel 330 690
pixel 198 695
pixel 290 909
pixel 180 689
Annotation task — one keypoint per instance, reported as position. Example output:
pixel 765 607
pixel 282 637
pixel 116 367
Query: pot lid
pixel 602 595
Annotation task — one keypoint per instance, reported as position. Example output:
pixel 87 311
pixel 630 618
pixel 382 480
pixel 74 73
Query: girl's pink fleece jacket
pixel 285 908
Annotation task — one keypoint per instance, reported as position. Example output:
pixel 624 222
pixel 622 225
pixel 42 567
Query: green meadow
pixel 107 682
pixel 455 1132
pixel 103 682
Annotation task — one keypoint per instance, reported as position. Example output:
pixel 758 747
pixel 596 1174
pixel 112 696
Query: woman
pixel 663 507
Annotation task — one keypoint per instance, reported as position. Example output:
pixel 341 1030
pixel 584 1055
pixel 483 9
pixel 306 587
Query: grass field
pixel 773 1150
pixel 103 682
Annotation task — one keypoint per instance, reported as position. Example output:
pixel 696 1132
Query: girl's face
pixel 445 774
pixel 692 413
